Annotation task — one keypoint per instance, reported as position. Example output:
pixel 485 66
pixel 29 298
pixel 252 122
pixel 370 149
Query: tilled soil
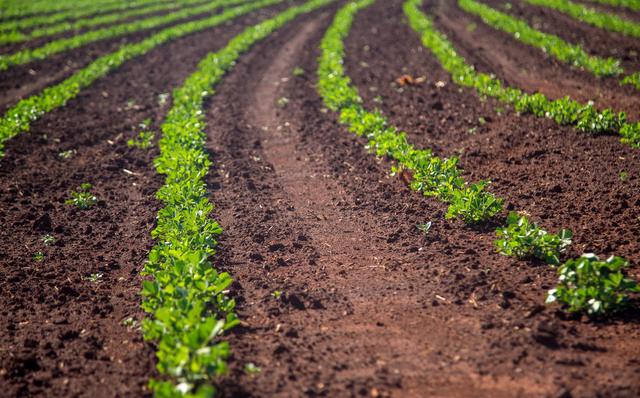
pixel 63 335
pixel 526 67
pixel 338 291
pixel 21 81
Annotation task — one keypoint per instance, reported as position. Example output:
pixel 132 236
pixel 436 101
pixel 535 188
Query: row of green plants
pixel 15 9
pixel 564 111
pixel 186 298
pixel 102 19
pixel 433 176
pixel 18 118
pixel 65 10
pixel 630 4
pixel 571 54
pixel 65 44
pixel 603 20
pixel 441 178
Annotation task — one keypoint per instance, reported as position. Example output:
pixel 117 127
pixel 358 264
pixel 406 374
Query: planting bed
pixel 359 267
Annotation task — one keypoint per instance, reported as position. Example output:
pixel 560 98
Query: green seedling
pixel 277 294
pixel 589 285
pixel 144 140
pixel 473 204
pixel 298 71
pixel 83 198
pixel 163 99
pixel 282 102
pixel 623 176
pixel 68 154
pixel 424 227
pixel 130 323
pixel 94 278
pixel 38 256
pixel 251 369
pixel 48 240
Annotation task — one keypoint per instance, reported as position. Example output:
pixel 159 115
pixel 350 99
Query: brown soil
pixel 622 12
pixel 61 334
pixel 37 42
pixel 368 305
pixel 594 40
pixel 21 81
pixel 563 178
pixel 524 66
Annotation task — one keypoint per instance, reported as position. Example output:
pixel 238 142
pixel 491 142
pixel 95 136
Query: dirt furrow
pixel 64 331
pixel 524 66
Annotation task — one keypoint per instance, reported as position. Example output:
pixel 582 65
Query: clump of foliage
pixel 472 203
pixel 424 227
pixel 524 239
pixel 94 278
pixel 38 256
pixel 83 198
pixel 589 285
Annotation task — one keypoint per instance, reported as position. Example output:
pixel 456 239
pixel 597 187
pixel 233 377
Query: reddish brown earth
pixel 61 334
pixel 21 81
pixel 526 67
pixel 369 305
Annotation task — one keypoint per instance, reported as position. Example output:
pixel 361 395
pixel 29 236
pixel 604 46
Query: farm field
pixel 290 198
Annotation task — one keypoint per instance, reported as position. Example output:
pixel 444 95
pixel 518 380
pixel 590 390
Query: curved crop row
pixel 69 10
pixel 103 19
pixel 565 111
pixel 593 17
pixel 186 297
pixel 24 9
pixel 65 44
pixel 593 292
pixel 630 4
pixel 550 44
pixel 432 176
pixel 19 117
